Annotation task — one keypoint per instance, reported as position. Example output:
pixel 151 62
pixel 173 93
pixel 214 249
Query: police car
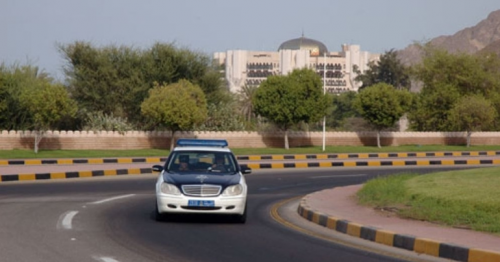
pixel 204 177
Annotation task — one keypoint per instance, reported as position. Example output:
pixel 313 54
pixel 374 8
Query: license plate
pixel 201 203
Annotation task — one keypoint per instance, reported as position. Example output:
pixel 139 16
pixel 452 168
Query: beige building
pixel 244 67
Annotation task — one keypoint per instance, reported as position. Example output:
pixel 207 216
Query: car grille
pixel 201 208
pixel 201 190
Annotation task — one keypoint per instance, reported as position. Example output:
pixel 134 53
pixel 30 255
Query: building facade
pixel 244 67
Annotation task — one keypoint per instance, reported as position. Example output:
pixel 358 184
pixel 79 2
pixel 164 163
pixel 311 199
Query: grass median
pixel 29 154
pixel 465 199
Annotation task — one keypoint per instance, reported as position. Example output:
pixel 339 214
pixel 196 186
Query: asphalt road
pixel 110 219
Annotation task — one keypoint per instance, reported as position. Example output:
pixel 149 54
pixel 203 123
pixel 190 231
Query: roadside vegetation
pixel 121 88
pixel 467 199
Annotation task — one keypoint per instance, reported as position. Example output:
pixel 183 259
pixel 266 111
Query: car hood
pixel 203 178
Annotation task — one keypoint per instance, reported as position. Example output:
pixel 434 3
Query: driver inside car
pixel 218 164
pixel 183 163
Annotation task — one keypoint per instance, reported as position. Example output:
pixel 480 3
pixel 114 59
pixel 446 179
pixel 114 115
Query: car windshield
pixel 201 162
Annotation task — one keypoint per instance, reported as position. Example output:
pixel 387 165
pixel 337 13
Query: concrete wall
pixel 73 140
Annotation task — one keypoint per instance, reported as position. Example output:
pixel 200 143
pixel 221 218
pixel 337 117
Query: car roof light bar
pixel 202 142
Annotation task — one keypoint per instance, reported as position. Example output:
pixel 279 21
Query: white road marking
pixel 111 199
pixel 66 219
pixel 316 177
pixel 105 259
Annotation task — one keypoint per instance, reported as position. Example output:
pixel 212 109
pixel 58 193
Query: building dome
pixel 302 43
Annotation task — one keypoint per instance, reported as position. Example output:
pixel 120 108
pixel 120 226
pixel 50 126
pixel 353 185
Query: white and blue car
pixel 204 177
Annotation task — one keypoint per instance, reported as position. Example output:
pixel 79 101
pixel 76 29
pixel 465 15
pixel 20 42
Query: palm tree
pixel 245 97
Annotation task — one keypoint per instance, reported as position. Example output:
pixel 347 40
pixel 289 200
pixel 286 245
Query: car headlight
pixel 233 190
pixel 169 189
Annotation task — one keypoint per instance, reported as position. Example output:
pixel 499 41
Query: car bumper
pixel 222 205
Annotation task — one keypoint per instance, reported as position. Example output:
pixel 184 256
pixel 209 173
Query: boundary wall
pixel 74 140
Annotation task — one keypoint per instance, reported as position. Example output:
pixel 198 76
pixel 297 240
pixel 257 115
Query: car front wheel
pixel 158 216
pixel 242 219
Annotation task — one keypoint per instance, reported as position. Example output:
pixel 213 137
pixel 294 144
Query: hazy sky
pixel 30 30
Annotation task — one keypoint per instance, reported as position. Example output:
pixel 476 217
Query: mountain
pixel 483 36
pixel 492 48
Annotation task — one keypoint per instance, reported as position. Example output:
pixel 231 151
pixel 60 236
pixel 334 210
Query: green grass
pixel 28 154
pixel 465 198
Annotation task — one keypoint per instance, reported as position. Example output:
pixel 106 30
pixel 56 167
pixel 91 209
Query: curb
pixel 125 160
pixel 375 163
pixel 74 174
pixel 133 171
pixel 389 238
pixel 83 161
pixel 369 155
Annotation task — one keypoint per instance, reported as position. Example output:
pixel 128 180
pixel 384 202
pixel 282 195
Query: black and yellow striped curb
pixel 83 161
pixel 131 171
pixel 368 155
pixel 74 174
pixel 376 163
pixel 411 243
pixel 250 158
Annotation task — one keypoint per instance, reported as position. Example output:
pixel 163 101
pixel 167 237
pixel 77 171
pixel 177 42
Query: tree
pixel 215 89
pixel 382 106
pixel 432 106
pixel 342 109
pixel 46 105
pixel 13 81
pixel 472 113
pixel 167 64
pixel 288 100
pixel 4 103
pixel 389 69
pixel 448 77
pixel 115 80
pixel 177 107
pixel 495 102
pixel 469 74
pixel 245 98
pixel 108 79
pixel 221 117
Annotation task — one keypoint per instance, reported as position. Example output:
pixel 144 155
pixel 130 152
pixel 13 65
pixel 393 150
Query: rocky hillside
pixel 485 35
pixel 492 48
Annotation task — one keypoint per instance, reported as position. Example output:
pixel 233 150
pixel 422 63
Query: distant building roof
pixel 302 43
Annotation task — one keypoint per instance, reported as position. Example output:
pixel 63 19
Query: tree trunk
pixel 469 133
pixel 38 137
pixel 172 140
pixel 378 139
pixel 286 139
pixel 36 145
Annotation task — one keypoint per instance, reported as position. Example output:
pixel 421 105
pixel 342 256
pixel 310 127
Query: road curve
pixel 110 219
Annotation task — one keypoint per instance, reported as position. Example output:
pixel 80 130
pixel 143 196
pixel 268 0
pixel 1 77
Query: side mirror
pixel 245 169
pixel 157 168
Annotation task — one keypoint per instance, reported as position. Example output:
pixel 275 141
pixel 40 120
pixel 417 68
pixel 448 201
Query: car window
pixel 201 162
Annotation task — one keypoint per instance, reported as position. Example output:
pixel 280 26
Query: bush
pixel 100 121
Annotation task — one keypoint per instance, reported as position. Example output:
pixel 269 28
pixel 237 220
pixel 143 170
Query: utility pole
pixel 324 93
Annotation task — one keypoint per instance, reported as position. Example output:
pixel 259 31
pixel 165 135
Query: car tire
pixel 242 219
pixel 158 216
